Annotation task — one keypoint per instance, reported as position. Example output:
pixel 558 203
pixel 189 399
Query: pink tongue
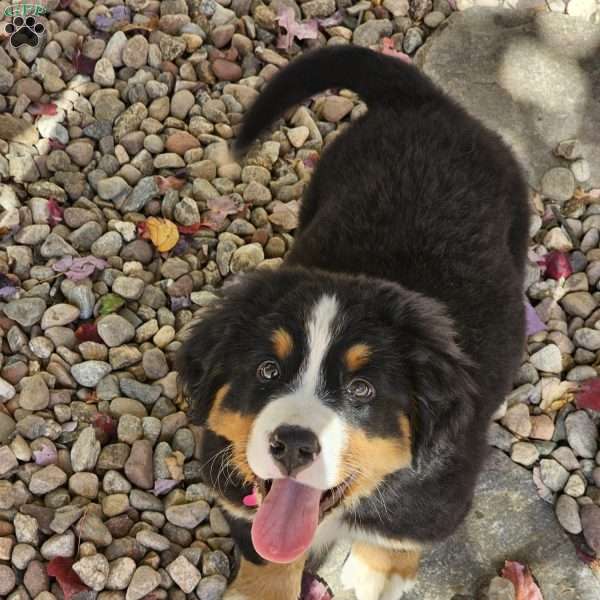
pixel 286 521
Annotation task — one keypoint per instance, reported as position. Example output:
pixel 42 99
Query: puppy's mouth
pixel 288 515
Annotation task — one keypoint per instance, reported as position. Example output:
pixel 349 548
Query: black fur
pixel 416 217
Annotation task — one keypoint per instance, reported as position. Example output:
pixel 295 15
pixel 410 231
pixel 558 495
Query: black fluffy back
pixel 377 78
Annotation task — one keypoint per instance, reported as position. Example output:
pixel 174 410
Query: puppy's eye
pixel 361 389
pixel 268 370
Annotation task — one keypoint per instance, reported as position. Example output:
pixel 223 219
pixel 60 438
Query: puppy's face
pixel 325 381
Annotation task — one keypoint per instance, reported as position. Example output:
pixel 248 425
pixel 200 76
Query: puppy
pixel 348 394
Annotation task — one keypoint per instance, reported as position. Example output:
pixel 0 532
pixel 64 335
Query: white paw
pixel 366 583
pixel 234 596
pixel 396 587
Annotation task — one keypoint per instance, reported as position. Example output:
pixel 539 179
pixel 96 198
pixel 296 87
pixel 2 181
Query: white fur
pixel 396 587
pixel 303 407
pixel 366 583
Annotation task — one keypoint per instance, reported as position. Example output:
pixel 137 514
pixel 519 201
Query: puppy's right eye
pixel 268 371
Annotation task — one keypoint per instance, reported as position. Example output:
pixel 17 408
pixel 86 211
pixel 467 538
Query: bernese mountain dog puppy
pixel 348 394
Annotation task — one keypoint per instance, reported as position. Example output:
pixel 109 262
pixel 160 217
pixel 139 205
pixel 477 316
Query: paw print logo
pixel 24 30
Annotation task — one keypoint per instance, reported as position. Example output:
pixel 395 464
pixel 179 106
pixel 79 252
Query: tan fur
pixel 269 581
pixel 370 459
pixel 357 356
pixel 234 427
pixel 282 343
pixel 404 563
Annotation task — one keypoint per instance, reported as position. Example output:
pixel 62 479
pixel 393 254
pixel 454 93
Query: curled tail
pixel 377 78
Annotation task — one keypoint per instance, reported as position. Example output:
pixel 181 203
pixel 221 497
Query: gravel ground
pixel 120 214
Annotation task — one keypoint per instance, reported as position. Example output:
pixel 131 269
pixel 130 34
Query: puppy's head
pixel 313 388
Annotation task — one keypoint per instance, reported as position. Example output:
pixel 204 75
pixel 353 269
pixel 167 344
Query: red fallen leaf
pixel 169 183
pixel 142 230
pixel 69 582
pixel 520 576
pixel 41 108
pixel 55 212
pixel 588 395
pixel 55 144
pixel 189 229
pixel 83 64
pixel 294 29
pixel 106 424
pixel 556 264
pixel 88 332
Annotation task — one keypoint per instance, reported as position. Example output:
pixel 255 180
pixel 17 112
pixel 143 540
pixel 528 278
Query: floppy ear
pixel 200 362
pixel 443 388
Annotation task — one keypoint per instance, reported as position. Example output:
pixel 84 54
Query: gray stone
pixel 369 33
pixel 582 434
pixel 184 574
pixel 553 474
pixel 211 587
pixel 26 311
pixel 526 74
pixel 507 520
pixel 90 372
pixel 548 359
pixel 93 571
pixel 85 451
pixel 144 580
pixel 567 513
pixel 145 190
pixel 115 330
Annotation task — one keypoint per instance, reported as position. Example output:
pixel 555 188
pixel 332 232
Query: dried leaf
pixel 83 64
pixel 556 265
pixel 46 455
pixel 69 582
pixel 163 486
pixel 174 463
pixel 294 29
pixel 179 302
pixel 387 47
pixel 110 303
pixel 588 395
pixel 79 268
pixel 119 16
pixel 149 26
pixel 42 108
pixel 106 424
pixel 218 210
pixel 163 233
pixel 169 183
pixel 55 144
pixel 533 322
pixel 55 212
pixel 189 229
pixel 521 578
pixel 335 19
pixel 88 332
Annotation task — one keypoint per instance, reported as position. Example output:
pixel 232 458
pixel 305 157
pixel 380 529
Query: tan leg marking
pixel 269 581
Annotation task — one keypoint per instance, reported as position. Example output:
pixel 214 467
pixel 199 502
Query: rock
pixel 180 142
pixel 211 587
pixel 120 574
pixel 501 589
pixel 26 311
pixel 226 70
pixel 413 39
pixel 115 330
pixel 145 190
pixel 93 571
pixel 580 304
pixel 524 453
pixel 34 393
pixel 590 520
pixel 471 556
pixel 112 188
pixel 59 545
pixel 58 315
pixel 85 451
pixel 553 474
pixel 370 32
pixel 181 103
pixel 8 461
pixel 184 574
pixel 517 420
pixel 135 52
pixel 13 129
pixel 90 372
pixel 247 258
pixel 520 85
pixel 548 359
pixel 7 580
pixel 144 580
pixel 188 515
pixel 138 467
pixel 582 434
pixel 581 170
pixel 154 363
pixel 47 479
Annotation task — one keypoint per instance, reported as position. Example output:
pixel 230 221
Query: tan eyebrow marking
pixel 283 343
pixel 357 356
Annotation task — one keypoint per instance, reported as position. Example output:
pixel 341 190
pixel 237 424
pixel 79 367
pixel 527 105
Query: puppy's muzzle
pixel 293 448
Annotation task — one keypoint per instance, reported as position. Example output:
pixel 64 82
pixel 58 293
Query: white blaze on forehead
pixel 301 407
pixel 320 330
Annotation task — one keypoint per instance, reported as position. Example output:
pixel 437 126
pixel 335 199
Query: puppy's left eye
pixel 268 370
pixel 361 389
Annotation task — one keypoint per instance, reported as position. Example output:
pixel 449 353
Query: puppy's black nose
pixel 294 447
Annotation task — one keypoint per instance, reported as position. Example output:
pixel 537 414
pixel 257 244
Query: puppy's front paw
pixel 366 583
pixel 233 595
pixel 396 587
